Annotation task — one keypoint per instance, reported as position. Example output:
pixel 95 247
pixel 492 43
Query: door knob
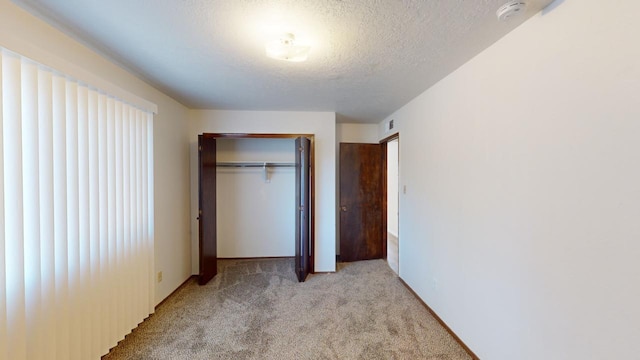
pixel 343 208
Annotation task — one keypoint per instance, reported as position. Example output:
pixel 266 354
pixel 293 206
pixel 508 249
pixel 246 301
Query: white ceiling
pixel 368 57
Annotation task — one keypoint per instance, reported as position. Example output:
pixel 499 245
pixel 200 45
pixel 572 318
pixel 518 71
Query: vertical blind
pixel 76 215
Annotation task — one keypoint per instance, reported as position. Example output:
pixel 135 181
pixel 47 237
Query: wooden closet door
pixel 207 214
pixel 303 202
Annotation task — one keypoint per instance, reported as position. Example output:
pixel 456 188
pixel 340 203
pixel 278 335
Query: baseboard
pixel 257 258
pixel 175 291
pixel 433 313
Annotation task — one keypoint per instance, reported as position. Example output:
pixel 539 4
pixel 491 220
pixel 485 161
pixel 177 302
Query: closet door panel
pixel 207 215
pixel 303 202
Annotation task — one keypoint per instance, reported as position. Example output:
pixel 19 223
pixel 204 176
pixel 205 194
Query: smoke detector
pixel 511 9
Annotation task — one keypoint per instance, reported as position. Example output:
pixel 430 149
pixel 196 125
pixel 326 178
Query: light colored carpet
pixel 255 309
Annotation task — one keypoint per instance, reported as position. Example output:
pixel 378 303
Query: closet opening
pixel 255 199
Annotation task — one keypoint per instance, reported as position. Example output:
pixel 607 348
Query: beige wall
pixel 22 32
pixel 356 133
pixel 520 225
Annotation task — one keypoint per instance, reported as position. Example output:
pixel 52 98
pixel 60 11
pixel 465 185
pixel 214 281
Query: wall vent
pixel 390 124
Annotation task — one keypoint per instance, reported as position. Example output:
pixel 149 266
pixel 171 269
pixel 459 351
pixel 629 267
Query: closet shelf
pixel 263 164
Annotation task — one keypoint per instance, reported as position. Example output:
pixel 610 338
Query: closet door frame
pixel 311 175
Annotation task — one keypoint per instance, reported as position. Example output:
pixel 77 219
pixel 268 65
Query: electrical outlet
pixel 159 276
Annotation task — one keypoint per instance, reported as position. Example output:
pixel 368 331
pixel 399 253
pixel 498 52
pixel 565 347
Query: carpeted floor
pixel 255 309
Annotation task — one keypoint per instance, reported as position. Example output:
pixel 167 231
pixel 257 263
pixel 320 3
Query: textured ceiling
pixel 368 57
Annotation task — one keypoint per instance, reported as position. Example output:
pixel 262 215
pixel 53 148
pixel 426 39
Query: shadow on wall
pixel 549 8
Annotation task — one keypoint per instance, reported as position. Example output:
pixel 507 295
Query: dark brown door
pixel 361 201
pixel 303 202
pixel 207 214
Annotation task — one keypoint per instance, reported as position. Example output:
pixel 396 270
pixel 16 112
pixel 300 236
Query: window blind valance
pixel 13 44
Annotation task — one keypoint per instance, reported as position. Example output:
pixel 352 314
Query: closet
pixel 255 196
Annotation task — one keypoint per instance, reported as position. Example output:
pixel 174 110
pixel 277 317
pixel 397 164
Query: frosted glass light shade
pixel 286 49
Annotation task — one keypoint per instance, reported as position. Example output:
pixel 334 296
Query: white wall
pixel 19 30
pixel 520 226
pixel 256 216
pixel 320 124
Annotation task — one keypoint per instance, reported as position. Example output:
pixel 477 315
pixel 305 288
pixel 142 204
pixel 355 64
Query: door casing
pixel 384 143
pixel 311 186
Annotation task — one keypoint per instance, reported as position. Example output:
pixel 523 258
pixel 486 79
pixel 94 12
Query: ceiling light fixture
pixel 286 49
pixel 511 9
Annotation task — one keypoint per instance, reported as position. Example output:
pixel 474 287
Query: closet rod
pixel 254 164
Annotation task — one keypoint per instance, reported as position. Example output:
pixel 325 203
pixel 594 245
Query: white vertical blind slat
pixel 126 248
pixel 73 219
pixel 13 220
pixel 103 224
pixel 3 275
pixel 139 269
pixel 133 288
pixel 94 225
pixel 76 171
pixel 112 225
pixel 144 261
pixel 150 213
pixel 31 207
pixel 84 291
pixel 62 303
pixel 47 244
pixel 120 270
pixel 143 213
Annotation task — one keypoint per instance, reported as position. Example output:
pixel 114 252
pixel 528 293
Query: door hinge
pixel 199 147
pixel 301 149
pixel 301 208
